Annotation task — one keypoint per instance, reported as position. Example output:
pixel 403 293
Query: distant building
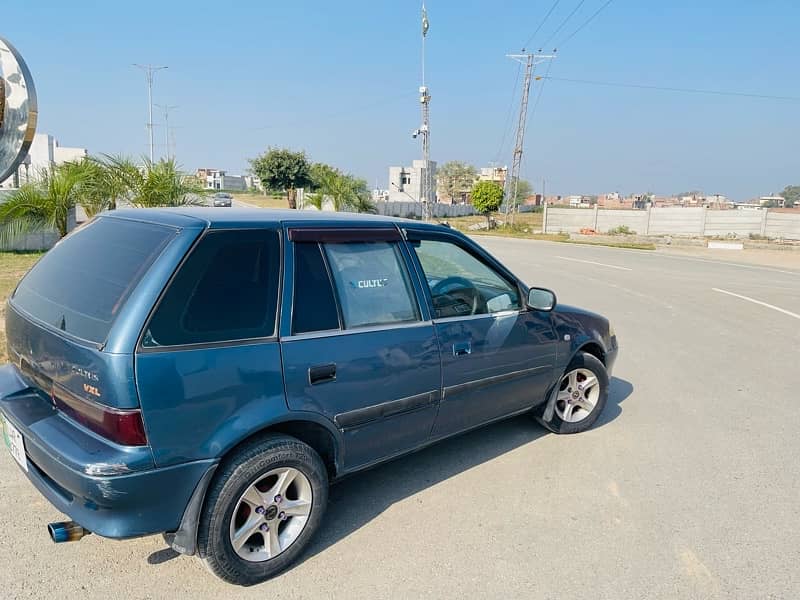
pixel 496 174
pixel 216 179
pixel 45 153
pixel 405 183
pixel 777 201
pixel 252 182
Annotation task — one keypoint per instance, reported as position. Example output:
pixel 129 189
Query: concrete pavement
pixel 687 487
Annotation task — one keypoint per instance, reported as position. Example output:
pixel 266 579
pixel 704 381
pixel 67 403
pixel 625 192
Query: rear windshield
pixel 80 285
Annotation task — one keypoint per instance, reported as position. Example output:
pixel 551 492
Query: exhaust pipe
pixel 67 531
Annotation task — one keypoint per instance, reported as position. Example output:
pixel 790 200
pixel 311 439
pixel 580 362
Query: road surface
pixel 687 488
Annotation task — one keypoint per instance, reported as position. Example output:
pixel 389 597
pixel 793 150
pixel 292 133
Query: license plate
pixel 15 443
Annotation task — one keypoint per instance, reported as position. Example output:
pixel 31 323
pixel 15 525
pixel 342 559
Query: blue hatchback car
pixel 205 375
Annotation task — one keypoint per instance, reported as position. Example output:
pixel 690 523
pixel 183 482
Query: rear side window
pixel 314 303
pixel 226 290
pixel 373 285
pixel 80 286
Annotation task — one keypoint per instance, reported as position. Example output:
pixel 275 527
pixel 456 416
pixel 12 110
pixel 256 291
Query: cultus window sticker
pixel 370 283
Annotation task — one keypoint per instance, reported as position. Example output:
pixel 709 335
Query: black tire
pixel 232 479
pixel 582 360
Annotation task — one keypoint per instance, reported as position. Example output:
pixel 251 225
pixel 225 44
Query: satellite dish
pixel 18 109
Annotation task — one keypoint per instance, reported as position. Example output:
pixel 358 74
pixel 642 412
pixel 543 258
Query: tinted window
pixel 226 290
pixel 314 302
pixel 461 284
pixel 372 282
pixel 83 282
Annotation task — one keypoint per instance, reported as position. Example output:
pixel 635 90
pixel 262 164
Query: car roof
pixel 231 218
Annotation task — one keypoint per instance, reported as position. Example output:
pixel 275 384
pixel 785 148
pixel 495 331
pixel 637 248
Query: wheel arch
pixel 323 438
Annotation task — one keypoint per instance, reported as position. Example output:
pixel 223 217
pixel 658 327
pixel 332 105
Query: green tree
pixel 524 190
pixel 486 198
pixel 280 168
pixel 455 178
pixel 791 196
pixel 153 184
pixel 346 191
pixel 102 185
pixel 43 204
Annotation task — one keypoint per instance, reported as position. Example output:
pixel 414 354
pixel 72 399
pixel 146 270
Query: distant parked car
pixel 204 374
pixel 221 199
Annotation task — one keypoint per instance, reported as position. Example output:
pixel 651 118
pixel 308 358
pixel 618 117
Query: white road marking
pixel 591 262
pixel 759 302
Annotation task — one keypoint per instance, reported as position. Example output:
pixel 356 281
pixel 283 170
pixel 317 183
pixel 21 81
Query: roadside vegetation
pixel 97 184
pixel 284 169
pixel 13 265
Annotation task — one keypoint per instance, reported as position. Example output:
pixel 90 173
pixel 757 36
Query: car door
pixel 497 356
pixel 357 346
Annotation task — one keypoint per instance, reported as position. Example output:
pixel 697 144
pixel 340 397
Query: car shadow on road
pixel 357 500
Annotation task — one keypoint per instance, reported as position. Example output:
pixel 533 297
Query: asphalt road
pixel 687 488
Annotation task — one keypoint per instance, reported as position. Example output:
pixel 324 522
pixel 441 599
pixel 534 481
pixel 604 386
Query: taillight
pixel 121 426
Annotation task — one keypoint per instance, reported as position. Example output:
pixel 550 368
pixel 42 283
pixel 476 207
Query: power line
pixel 507 126
pixel 541 88
pixel 585 23
pixel 533 35
pixel 677 89
pixel 564 22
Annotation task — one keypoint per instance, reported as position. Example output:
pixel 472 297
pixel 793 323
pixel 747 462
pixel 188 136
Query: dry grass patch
pixel 13 265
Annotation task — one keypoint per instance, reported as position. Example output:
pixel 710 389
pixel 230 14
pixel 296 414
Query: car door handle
pixel 462 348
pixel 322 373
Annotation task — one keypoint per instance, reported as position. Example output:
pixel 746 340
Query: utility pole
pixel 530 61
pixel 166 108
pixel 149 70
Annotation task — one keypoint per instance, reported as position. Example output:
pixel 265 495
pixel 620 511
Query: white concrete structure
pixel 45 153
pixel 496 174
pixel 405 183
pixel 217 179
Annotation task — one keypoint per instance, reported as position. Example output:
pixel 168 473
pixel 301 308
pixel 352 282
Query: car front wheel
pixel 263 507
pixel 581 396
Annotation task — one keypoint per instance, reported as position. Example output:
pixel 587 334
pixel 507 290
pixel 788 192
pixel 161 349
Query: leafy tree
pixel 486 198
pixel 40 205
pixel 280 168
pixel 791 196
pixel 524 189
pixel 456 178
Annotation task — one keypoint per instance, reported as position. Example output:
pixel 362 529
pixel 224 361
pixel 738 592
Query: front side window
pixel 227 289
pixel 461 284
pixel 372 283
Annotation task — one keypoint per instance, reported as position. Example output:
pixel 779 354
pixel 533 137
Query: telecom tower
pixel 512 182
pixel 426 185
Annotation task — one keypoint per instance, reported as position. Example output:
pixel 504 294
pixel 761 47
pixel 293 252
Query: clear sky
pixel 339 80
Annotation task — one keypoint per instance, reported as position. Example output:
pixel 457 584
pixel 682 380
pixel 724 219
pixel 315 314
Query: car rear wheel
pixel 263 507
pixel 581 396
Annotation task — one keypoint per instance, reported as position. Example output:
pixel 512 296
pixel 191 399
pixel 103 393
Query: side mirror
pixel 541 299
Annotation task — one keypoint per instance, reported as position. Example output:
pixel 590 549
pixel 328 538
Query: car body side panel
pixel 198 403
pixel 385 392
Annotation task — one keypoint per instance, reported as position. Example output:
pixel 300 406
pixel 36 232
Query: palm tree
pixel 154 184
pixel 346 191
pixel 42 205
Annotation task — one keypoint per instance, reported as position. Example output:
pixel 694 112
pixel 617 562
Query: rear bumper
pixel 66 462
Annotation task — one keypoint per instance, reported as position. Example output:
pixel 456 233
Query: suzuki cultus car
pixel 206 374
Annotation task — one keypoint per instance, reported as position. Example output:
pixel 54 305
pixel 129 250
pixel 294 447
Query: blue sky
pixel 339 80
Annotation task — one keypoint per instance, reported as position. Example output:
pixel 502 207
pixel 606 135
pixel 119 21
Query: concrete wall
pixel 676 221
pixel 635 220
pixel 414 209
pixel 782 225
